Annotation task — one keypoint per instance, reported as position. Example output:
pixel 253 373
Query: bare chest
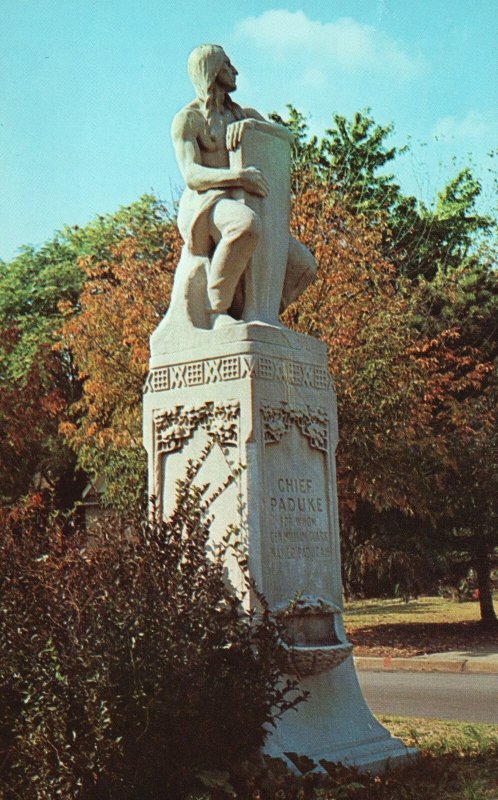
pixel 211 139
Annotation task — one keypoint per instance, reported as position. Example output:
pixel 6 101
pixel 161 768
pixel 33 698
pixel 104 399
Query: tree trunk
pixel 483 569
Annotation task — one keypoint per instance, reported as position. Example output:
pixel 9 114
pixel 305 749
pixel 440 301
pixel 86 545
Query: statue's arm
pixel 201 178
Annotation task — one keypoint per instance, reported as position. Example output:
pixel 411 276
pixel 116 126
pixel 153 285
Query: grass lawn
pixel 459 761
pixel 424 625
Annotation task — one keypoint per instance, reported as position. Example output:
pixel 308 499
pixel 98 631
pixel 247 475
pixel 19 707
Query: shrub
pixel 127 666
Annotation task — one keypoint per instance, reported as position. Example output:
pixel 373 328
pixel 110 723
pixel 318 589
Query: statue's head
pixel 204 64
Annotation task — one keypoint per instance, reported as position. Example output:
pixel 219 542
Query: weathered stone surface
pixel 227 380
pixel 239 261
pixel 271 408
pixel 268 146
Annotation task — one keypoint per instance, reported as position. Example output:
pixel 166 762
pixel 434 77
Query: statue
pixel 229 385
pixel 219 228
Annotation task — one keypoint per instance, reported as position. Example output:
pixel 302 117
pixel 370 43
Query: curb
pixel 426 664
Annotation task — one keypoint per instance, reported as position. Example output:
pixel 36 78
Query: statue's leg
pixel 235 229
pixel 300 272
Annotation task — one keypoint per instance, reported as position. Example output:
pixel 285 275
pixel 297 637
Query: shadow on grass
pixel 385 609
pixel 457 762
pixel 419 638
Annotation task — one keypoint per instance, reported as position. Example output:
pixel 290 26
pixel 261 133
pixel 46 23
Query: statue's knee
pixel 251 227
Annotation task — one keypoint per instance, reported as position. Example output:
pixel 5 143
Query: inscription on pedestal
pixel 297 548
pixel 298 520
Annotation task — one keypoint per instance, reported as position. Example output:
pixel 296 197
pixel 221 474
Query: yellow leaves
pixel 118 308
pixel 67 428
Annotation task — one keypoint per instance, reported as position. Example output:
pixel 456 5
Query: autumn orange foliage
pixel 122 300
pixel 400 394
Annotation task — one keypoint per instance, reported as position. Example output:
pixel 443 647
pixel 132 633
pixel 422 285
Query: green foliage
pixel 349 162
pixel 122 474
pixel 356 150
pixel 39 379
pixel 35 383
pixel 345 160
pixel 427 242
pixel 127 665
pixel 35 283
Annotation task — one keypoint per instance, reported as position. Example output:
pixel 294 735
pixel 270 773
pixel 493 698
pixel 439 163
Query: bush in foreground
pixel 127 667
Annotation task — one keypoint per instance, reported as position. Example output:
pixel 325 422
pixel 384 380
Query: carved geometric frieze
pixel 173 427
pixel 230 368
pixel 278 418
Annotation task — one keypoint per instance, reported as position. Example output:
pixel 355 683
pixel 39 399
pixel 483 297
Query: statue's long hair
pixel 204 64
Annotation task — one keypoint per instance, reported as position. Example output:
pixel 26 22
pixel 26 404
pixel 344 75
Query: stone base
pixel 335 725
pixel 258 400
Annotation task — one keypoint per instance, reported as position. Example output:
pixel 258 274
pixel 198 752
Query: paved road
pixel 467 698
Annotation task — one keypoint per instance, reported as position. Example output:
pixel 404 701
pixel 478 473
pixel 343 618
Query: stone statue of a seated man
pixel 214 222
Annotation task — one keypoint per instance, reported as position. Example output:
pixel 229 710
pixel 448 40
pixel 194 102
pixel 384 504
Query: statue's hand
pixel 235 131
pixel 253 181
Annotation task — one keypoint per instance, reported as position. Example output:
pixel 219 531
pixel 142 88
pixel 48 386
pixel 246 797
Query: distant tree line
pixel 406 299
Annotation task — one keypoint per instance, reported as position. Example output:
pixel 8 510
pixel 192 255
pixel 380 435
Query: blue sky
pixel 88 90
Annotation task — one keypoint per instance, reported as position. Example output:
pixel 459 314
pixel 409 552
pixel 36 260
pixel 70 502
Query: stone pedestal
pixel 256 399
pixel 261 396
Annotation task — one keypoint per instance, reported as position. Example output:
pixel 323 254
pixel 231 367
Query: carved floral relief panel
pixel 173 427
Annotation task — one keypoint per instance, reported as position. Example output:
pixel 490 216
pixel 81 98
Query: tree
pixel 472 497
pixel 346 160
pixel 465 296
pixel 40 379
pixel 124 295
pixel 390 378
pixel 416 303
pixel 427 242
pixel 36 384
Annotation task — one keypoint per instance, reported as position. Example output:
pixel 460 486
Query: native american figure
pixel 223 207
